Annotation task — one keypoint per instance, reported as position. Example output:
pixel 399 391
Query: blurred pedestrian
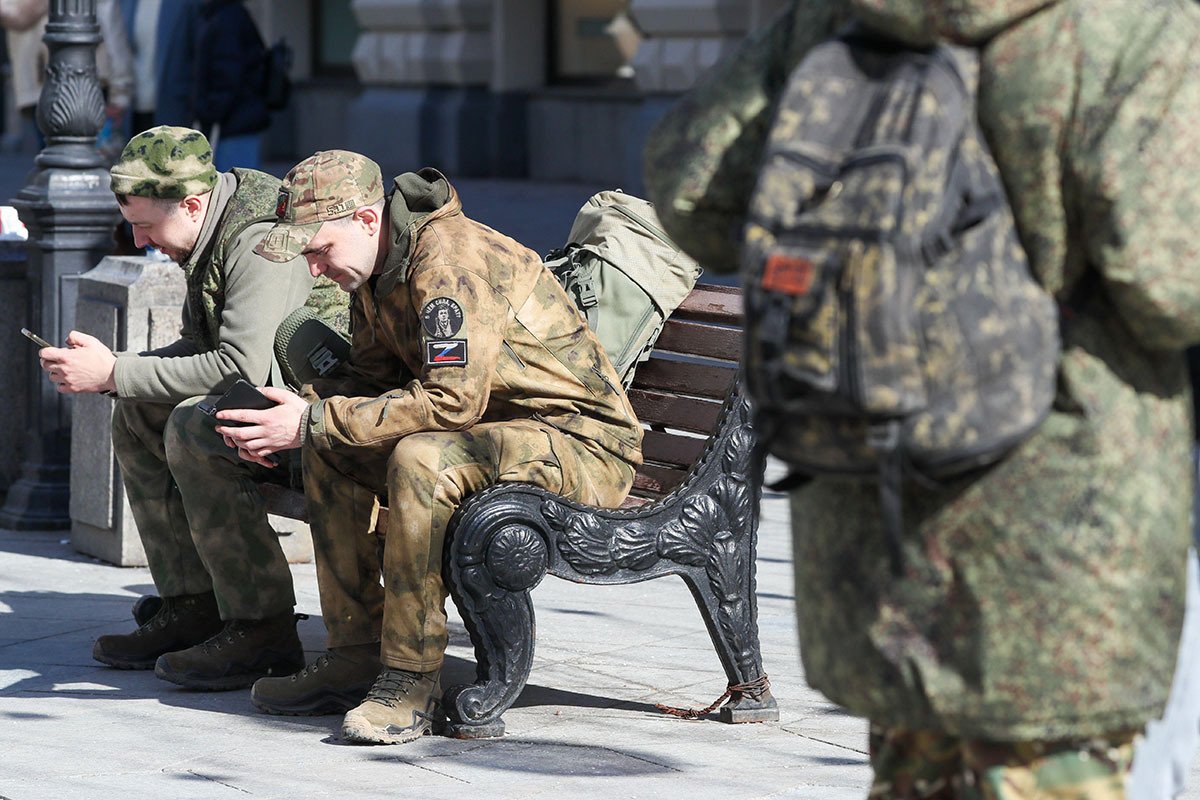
pixel 227 93
pixel 162 34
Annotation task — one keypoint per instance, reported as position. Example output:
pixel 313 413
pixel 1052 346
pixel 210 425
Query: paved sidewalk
pixel 585 725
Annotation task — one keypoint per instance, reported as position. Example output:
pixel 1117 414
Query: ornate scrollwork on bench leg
pixel 706 531
pixel 497 557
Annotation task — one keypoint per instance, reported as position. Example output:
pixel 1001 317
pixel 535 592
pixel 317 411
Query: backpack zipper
pixel 847 350
pixel 657 232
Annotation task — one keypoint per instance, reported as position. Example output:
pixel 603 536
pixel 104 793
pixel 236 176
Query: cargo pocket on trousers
pixel 527 454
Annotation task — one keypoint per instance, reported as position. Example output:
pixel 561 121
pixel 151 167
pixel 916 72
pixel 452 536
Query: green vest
pixel 253 201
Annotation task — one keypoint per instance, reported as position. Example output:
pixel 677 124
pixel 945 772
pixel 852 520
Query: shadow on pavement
pixel 46 644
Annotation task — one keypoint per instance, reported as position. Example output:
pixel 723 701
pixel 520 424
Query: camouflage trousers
pixel 424 478
pixel 200 516
pixel 930 765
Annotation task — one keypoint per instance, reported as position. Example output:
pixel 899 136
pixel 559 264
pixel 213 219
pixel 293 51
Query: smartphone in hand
pixel 242 394
pixel 33 337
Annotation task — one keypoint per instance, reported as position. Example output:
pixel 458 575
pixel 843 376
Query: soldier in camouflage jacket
pixel 470 366
pixel 214 558
pixel 1042 599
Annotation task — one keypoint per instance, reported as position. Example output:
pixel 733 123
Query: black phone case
pixel 243 395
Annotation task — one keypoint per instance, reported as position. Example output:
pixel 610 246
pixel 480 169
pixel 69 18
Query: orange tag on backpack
pixel 788 274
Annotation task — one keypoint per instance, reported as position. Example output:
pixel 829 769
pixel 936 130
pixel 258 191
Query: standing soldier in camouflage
pixel 1034 629
pixel 226 619
pixel 470 366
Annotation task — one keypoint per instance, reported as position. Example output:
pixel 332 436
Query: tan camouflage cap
pixel 165 162
pixel 327 185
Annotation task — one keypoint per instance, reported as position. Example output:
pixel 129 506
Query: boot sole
pixel 226 683
pixel 379 737
pixel 121 664
pixel 312 707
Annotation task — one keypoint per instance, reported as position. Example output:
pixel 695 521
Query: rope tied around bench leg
pixel 754 689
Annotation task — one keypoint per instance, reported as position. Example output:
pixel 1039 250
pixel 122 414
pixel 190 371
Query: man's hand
pixel 84 365
pixel 268 431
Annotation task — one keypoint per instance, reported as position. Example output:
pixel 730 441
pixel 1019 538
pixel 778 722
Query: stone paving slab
pixel 585 725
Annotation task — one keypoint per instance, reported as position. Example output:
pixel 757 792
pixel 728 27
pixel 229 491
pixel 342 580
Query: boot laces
pixel 321 663
pixel 392 686
pixel 232 631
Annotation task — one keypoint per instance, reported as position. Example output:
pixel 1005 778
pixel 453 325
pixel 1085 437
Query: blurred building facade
pixel 547 89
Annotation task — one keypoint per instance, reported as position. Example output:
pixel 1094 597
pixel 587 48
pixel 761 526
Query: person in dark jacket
pixel 227 99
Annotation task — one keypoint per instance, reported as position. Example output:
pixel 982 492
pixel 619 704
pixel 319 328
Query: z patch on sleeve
pixel 442 318
pixel 448 353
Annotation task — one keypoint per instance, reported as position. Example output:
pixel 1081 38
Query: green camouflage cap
pixel 165 162
pixel 327 185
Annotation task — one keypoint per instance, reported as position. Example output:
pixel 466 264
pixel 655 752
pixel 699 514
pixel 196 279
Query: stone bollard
pixel 129 303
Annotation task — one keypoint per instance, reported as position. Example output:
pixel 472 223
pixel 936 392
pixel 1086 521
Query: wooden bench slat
pixel 684 413
pixel 711 303
pixel 657 480
pixel 284 502
pixel 671 448
pixel 693 338
pixel 698 380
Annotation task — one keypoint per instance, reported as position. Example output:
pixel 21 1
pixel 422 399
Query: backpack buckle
pixel 586 290
pixel 884 437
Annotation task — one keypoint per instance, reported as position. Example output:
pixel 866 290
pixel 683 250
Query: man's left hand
pixel 268 431
pixel 84 365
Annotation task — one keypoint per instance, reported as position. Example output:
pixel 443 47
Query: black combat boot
pixel 333 684
pixel 179 622
pixel 241 653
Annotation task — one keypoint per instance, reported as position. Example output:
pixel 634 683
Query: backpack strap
pixel 884 439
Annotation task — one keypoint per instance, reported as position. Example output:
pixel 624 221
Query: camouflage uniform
pixel 202 521
pixel 1043 598
pixel 519 391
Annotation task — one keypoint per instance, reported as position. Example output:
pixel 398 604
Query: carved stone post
pixel 70 213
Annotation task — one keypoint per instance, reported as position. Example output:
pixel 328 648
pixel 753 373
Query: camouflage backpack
pixel 625 275
pixel 896 330
pixel 253 202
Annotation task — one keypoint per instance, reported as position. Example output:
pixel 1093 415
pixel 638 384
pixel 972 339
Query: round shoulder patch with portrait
pixel 442 318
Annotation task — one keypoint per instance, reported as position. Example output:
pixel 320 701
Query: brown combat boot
pixel 333 684
pixel 241 653
pixel 401 706
pixel 179 623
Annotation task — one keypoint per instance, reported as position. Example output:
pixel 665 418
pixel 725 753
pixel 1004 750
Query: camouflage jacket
pixel 465 325
pixel 1043 598
pixel 235 301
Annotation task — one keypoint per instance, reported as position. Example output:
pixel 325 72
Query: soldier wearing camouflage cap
pixel 454 323
pixel 226 617
pixel 1033 630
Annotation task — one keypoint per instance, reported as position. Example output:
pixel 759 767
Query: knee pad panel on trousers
pixel 187 427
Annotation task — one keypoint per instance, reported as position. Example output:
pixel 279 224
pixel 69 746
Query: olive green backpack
pixel 625 275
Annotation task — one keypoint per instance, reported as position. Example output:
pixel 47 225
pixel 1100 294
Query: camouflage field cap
pixel 165 162
pixel 327 185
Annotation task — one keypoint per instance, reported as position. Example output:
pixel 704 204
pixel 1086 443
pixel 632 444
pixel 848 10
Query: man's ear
pixel 192 205
pixel 369 217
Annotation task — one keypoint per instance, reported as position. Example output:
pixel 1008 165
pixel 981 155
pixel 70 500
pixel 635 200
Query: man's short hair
pixel 167 204
pixel 165 163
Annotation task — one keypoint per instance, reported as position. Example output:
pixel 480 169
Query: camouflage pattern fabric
pixel 928 765
pixel 252 202
pixel 1043 597
pixel 425 477
pixel 165 162
pixel 875 303
pixel 327 185
pixel 520 349
pixel 474 368
pixel 201 519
